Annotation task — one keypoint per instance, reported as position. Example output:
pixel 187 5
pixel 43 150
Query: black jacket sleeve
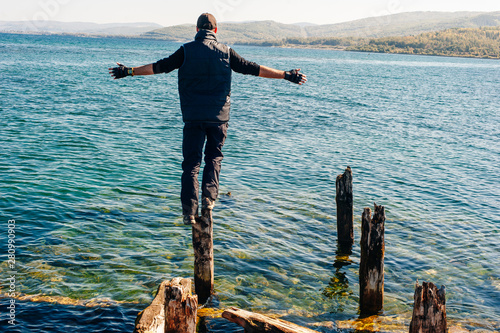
pixel 167 65
pixel 243 66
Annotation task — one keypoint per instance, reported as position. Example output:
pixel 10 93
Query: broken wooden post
pixel 371 268
pixel 429 309
pixel 345 230
pixel 203 256
pixel 257 323
pixel 181 307
pixel 173 310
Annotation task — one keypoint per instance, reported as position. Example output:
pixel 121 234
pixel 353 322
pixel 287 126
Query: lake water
pixel 90 171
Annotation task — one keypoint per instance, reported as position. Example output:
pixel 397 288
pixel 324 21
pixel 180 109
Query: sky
pixel 169 12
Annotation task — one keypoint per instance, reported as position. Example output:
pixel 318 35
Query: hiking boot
pixel 207 204
pixel 189 219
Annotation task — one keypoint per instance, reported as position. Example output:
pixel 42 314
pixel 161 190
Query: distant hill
pixel 403 24
pixel 232 32
pixel 111 29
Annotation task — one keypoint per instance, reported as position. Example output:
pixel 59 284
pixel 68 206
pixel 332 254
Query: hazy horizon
pixel 226 11
pixel 229 22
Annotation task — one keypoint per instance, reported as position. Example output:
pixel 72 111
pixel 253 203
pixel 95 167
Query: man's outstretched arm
pixel 271 73
pixel 292 76
pixel 243 66
pixel 143 70
pixel 121 71
pixel 166 65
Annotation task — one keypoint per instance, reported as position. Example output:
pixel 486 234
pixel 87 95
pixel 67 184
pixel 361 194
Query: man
pixel 204 81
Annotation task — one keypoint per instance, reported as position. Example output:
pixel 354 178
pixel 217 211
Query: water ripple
pixel 91 167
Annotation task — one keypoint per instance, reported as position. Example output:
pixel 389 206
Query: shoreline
pixel 346 49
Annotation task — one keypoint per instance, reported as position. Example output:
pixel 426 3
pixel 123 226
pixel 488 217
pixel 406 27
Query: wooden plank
pixel 257 323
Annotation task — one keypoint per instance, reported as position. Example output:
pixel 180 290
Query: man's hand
pixel 121 71
pixel 295 77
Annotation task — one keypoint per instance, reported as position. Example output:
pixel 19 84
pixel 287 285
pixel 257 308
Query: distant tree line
pixel 481 42
pixel 331 42
pixel 464 42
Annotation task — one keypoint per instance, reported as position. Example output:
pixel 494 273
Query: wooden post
pixel 257 323
pixel 203 256
pixel 371 268
pixel 173 310
pixel 345 233
pixel 429 309
pixel 181 307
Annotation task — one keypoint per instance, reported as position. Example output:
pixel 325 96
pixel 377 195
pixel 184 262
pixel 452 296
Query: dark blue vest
pixel 205 80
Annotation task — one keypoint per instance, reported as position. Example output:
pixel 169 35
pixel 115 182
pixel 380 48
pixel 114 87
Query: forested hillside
pixel 473 42
pixel 482 42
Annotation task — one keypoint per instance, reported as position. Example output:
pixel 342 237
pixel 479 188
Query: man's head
pixel 206 21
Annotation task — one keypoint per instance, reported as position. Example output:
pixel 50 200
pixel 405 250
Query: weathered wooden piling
pixel 203 246
pixel 429 309
pixel 345 230
pixel 173 310
pixel 257 323
pixel 371 268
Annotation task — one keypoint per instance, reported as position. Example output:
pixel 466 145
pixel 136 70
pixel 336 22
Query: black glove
pixel 294 76
pixel 121 71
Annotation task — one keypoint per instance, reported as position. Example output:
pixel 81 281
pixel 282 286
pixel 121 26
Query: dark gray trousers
pixel 194 137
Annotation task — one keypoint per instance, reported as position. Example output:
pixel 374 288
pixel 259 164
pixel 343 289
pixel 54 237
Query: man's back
pixel 205 80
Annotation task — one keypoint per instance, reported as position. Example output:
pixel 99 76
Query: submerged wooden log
pixel 345 229
pixel 371 268
pixel 429 309
pixel 203 256
pixel 257 323
pixel 173 310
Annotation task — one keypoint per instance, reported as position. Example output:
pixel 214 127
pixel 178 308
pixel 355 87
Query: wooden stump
pixel 371 268
pixel 257 323
pixel 181 307
pixel 203 256
pixel 173 310
pixel 152 319
pixel 345 229
pixel 429 309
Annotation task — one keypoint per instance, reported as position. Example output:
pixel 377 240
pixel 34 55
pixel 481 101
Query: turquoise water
pixel 91 174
